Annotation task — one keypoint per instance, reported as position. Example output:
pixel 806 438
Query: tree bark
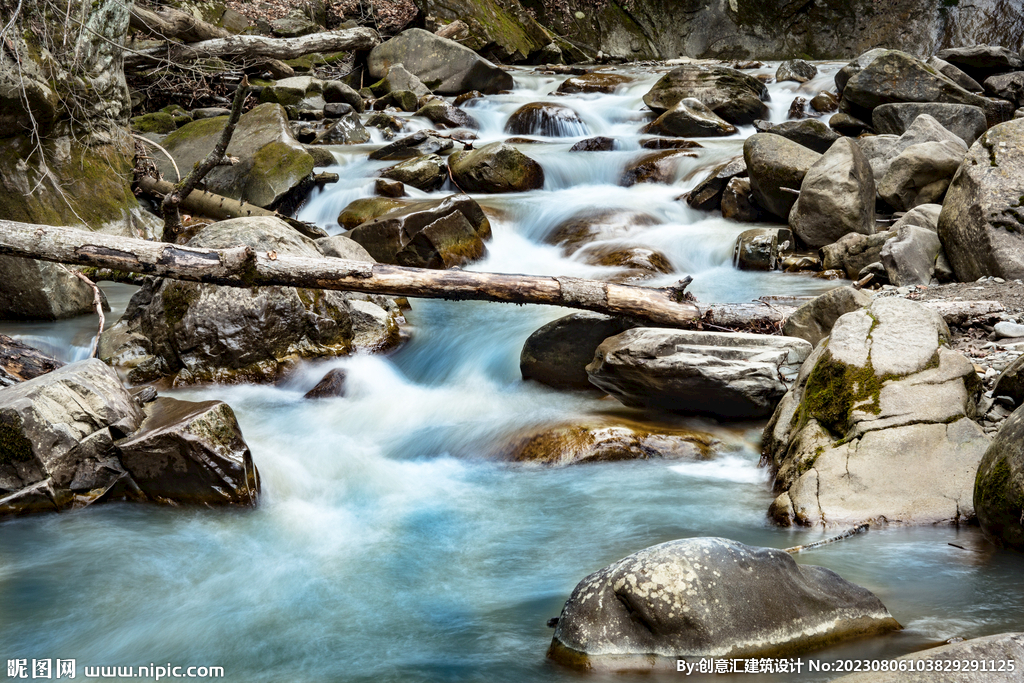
pixel 254 47
pixel 167 23
pixel 243 267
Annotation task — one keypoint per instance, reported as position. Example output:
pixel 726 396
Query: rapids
pixel 391 542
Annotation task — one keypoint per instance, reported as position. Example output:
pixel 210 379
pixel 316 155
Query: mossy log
pixel 167 23
pixel 243 267
pixel 253 47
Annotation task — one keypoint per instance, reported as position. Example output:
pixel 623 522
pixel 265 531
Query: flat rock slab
pixel 723 375
pixel 709 597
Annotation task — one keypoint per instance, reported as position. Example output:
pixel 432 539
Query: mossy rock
pixel 365 209
pixel 157 122
pixel 494 168
pixel 999 485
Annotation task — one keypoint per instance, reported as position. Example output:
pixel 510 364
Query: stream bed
pixel 392 543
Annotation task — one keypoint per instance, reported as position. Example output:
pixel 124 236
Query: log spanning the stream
pixel 244 267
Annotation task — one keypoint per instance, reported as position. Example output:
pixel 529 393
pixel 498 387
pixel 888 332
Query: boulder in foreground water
pixel 558 353
pixel 709 597
pixel 495 168
pixel 999 486
pixel 733 95
pixel 544 118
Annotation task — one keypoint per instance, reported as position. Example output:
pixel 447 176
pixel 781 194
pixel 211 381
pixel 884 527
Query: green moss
pixel 177 298
pixel 14 447
pixel 834 389
pixel 990 486
pixel 157 122
pixel 197 129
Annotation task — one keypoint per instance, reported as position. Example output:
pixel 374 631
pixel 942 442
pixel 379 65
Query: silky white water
pixel 392 543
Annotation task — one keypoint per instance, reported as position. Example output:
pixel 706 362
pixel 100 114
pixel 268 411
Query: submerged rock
pixel 607 441
pixel 877 427
pixel 707 195
pixel 709 597
pixel 655 167
pixel 332 385
pixel 544 118
pixel 194 333
pixel 723 375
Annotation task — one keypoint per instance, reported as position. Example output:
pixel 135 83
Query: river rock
pixel 271 162
pixel 20 362
pixel 909 257
pixel 773 163
pixel 445 115
pixel 810 133
pixel 606 441
pixel 920 667
pixel 982 220
pixel 495 168
pixel 426 173
pixel 881 150
pixel 598 225
pixel 447 242
pixel 850 126
pixel 738 202
pixel 1007 86
pixel 853 252
pixel 58 432
pixel 339 246
pixel 895 76
pixel 336 92
pixel 920 174
pixel 388 235
pixel 956 75
pixel 633 262
pixel 402 100
pixel 195 333
pixel 796 70
pixel 722 375
pixel 837 197
pixel 291 91
pixel 813 321
pixel 191 453
pixel 824 102
pixel 965 121
pixel 690 118
pixel 877 427
pixel 655 167
pixel 707 195
pixel 358 211
pixel 595 144
pixel 332 385
pixel 444 66
pixel 39 290
pixel 596 81
pixel 709 597
pixel 999 487
pixel 415 145
pixel 982 61
pixel 347 130
pixel 760 248
pixel 398 78
pixel 544 118
pixel 733 95
pixel 558 353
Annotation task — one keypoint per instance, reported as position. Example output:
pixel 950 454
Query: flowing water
pixel 392 543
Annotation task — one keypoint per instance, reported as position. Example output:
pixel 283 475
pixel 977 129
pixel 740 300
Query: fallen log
pixel 167 23
pixel 253 47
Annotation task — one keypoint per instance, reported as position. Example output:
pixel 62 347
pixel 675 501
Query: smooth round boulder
pixel 709 597
pixel 999 486
pixel 690 118
pixel 837 197
pixel 495 168
pixel 557 354
pixel 544 118
pixel 813 321
pixel 810 133
pixel 775 165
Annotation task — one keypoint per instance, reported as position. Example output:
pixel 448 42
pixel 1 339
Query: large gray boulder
pixel 982 216
pixel 837 197
pixel 882 150
pixel 196 333
pixel 955 74
pixel 1007 86
pixel 398 78
pixel 443 65
pixel 191 453
pixel 813 321
pixel 709 597
pixel 59 431
pixel 965 121
pixel 495 168
pixel 877 427
pixel 733 95
pixel 38 290
pixel 776 165
pixel 558 353
pixel 999 487
pixel 895 76
pixel 921 173
pixel 909 257
pixel 389 238
pixel 982 61
pixel 810 133
pixel 728 376
pixel 690 117
pixel 921 667
pixel 271 162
